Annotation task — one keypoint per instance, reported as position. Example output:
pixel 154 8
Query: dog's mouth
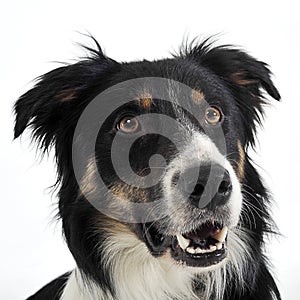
pixel 202 247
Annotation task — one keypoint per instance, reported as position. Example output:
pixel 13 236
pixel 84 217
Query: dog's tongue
pixel 203 233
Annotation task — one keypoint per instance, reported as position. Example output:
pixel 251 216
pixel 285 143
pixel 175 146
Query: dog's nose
pixel 212 188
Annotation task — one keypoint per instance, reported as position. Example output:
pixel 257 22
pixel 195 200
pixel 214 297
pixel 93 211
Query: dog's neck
pixel 136 275
pixel 147 287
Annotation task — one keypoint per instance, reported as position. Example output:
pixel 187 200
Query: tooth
pixel 221 236
pixel 212 248
pixel 219 245
pixel 191 250
pixel 198 250
pixel 183 242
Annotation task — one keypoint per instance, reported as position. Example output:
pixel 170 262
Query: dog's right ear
pixel 50 107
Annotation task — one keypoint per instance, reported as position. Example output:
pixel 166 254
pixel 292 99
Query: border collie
pixel 158 197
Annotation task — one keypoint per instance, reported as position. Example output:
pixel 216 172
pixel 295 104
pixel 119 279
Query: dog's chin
pixel 206 246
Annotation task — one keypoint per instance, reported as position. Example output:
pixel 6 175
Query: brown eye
pixel 128 124
pixel 213 115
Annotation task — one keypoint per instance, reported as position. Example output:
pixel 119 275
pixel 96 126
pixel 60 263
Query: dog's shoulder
pixel 52 290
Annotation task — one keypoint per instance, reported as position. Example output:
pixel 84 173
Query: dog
pixel 158 197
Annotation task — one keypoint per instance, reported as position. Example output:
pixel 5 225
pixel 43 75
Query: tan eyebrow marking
pixel 197 96
pixel 145 100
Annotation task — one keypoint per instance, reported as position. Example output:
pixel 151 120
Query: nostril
pixel 225 187
pixel 196 195
pixel 198 190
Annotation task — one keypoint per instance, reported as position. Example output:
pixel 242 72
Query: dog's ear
pixel 50 107
pixel 245 77
pixel 243 70
pixel 236 67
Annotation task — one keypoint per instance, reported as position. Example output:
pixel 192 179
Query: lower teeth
pixel 199 250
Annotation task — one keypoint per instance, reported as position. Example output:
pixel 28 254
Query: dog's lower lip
pixel 157 242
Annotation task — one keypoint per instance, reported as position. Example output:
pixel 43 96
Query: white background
pixel 35 34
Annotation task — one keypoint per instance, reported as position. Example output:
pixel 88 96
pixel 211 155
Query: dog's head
pixel 168 141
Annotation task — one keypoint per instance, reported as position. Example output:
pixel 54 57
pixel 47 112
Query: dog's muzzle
pixel 201 206
pixel 201 203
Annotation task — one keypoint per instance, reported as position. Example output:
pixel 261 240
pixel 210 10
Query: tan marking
pixel 197 96
pixel 145 100
pixel 241 162
pixel 119 202
pixel 239 78
pixel 126 192
pixel 120 191
pixel 66 95
pixel 88 182
pixel 111 226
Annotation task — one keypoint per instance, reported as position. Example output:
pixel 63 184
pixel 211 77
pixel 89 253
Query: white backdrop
pixel 35 34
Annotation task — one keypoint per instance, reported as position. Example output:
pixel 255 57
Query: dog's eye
pixel 128 124
pixel 213 115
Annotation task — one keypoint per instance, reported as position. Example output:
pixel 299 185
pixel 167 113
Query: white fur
pixel 137 275
pixel 78 289
pixel 72 289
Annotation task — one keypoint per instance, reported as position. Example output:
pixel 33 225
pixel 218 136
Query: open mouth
pixel 202 247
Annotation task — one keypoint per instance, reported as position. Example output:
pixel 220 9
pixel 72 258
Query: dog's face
pixel 193 144
pixel 198 180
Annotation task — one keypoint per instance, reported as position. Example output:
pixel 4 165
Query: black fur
pixel 52 108
pixel 52 290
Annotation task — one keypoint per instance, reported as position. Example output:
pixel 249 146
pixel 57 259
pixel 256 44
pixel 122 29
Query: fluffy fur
pixel 119 260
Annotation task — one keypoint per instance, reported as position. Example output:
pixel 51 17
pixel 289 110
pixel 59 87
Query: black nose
pixel 206 186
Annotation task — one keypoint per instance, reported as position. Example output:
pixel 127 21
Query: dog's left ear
pixel 237 68
pixel 51 107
